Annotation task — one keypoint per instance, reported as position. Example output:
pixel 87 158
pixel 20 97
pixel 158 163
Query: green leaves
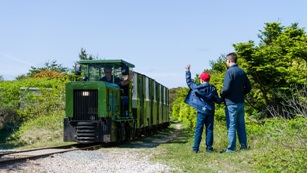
pixel 276 64
pixel 49 97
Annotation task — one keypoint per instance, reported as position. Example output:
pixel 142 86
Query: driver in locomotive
pixel 108 77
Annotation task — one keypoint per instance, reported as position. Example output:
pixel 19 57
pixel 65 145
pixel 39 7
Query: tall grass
pixel 274 146
pixel 39 131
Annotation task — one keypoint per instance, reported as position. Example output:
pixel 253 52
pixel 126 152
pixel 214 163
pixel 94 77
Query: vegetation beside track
pixel 276 145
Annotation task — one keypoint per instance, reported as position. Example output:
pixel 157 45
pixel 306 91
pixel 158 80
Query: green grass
pixel 40 132
pixel 274 147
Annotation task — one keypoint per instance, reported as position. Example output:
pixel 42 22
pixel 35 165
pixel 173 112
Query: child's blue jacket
pixel 201 96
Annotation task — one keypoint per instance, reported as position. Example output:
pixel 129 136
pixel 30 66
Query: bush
pixel 32 111
pixel 9 118
pixel 282 144
pixel 41 129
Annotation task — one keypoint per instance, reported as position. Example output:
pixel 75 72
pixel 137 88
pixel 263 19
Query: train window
pixel 111 74
pixel 154 91
pixel 93 73
pixel 147 88
pixel 164 95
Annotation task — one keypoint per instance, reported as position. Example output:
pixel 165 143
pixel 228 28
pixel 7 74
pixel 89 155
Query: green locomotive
pixel 99 110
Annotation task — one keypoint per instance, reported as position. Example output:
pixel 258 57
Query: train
pixel 102 112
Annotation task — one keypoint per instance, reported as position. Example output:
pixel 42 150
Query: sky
pixel 160 37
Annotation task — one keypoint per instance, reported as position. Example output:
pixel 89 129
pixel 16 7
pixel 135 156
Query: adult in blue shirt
pixel 236 86
pixel 202 97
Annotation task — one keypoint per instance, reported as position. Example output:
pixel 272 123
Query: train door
pixel 113 107
pixel 135 103
pixel 138 100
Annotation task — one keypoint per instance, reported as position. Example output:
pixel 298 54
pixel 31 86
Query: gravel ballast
pixel 113 161
pixel 135 157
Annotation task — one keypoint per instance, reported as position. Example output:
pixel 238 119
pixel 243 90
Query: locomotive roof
pixel 106 61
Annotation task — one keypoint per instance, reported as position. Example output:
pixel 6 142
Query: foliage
pixel 54 66
pixel 178 104
pixel 275 145
pixel 19 97
pixel 219 65
pixel 45 128
pixel 172 96
pixel 50 74
pixel 8 117
pixel 21 77
pixel 84 56
pixel 42 103
pixel 282 145
pixel 293 105
pixel 276 65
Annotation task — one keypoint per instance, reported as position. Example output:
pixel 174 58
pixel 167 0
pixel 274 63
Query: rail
pixel 18 156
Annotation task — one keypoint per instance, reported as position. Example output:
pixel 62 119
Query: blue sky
pixel 160 37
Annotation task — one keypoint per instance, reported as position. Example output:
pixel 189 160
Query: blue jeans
pixel 201 121
pixel 235 124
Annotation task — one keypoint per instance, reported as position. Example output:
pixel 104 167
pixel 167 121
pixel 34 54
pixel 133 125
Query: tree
pixel 54 66
pixel 219 66
pixel 50 74
pixel 1 78
pixel 84 56
pixel 276 65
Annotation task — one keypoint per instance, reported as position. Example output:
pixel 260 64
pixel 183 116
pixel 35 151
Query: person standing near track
pixel 236 86
pixel 202 98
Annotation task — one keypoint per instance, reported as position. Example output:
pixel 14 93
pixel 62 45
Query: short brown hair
pixel 232 57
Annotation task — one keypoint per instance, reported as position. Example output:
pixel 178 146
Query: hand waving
pixel 188 67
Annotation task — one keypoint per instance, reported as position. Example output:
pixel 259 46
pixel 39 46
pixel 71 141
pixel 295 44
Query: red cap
pixel 205 76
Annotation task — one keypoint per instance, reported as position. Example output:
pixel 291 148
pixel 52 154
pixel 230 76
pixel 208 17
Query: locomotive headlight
pixel 85 93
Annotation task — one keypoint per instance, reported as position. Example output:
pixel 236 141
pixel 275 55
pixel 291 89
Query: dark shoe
pixel 209 150
pixel 243 147
pixel 195 151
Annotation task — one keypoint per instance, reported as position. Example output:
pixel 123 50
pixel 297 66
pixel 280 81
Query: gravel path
pixel 134 157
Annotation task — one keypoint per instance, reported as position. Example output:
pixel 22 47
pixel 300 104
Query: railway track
pixel 18 156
